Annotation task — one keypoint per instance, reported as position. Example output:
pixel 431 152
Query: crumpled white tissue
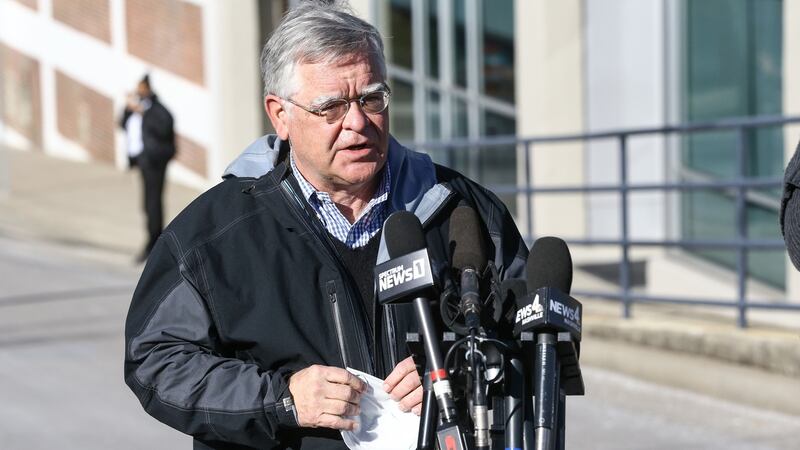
pixel 382 425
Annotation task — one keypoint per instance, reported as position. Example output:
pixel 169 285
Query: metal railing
pixel 741 183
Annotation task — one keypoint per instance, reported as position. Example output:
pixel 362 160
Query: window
pixel 733 67
pixel 398 34
pixel 401 116
pixel 451 64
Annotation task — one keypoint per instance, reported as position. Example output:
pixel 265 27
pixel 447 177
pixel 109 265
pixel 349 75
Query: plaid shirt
pixel 365 227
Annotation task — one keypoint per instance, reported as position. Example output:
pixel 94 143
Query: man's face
pixel 142 89
pixel 346 154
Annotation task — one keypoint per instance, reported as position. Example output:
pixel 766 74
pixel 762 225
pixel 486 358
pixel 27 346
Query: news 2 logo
pixel 401 274
pixel 529 312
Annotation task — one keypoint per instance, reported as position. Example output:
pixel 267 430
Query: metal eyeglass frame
pixel 387 93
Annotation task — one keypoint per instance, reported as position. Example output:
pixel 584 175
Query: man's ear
pixel 273 105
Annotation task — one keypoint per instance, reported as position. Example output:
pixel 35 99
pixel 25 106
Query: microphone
pixel 469 258
pixel 548 306
pixel 550 265
pixel 407 276
pixel 550 312
pixel 518 419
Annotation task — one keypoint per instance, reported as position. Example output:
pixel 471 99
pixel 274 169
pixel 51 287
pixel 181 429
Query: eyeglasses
pixel 333 110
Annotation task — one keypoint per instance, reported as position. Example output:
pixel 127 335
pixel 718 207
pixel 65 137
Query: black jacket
pixel 790 208
pixel 158 132
pixel 242 290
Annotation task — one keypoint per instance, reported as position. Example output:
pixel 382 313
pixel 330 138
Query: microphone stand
pixel 546 374
pixel 561 438
pixel 529 421
pixel 427 418
pixel 556 375
pixel 470 306
pixel 449 433
pixel 514 374
pixel 480 409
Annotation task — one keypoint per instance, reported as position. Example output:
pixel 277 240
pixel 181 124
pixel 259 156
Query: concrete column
pixel 791 107
pixel 235 81
pixel 549 59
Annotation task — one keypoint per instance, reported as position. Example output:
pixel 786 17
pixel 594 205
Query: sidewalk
pixel 95 211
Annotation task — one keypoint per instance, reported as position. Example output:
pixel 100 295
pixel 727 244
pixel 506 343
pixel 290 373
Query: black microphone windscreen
pixel 549 265
pixel 403 234
pixel 465 239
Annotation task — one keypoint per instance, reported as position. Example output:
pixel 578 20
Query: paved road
pixel 620 412
pixel 61 325
pixel 61 341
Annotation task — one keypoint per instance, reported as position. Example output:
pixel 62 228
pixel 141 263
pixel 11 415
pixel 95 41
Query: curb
pixel 714 378
pixel 776 351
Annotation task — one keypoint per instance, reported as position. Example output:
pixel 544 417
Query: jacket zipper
pixel 297 204
pixel 337 320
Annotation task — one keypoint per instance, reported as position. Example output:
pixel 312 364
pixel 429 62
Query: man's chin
pixel 361 172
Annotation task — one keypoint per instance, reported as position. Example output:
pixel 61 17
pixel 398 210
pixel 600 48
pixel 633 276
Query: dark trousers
pixel 153 174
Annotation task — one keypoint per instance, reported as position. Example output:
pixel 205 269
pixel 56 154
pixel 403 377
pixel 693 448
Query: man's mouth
pixel 358 146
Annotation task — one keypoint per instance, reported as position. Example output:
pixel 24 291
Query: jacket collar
pixel 258 159
pixel 414 185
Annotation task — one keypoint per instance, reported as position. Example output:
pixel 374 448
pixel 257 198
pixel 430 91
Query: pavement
pixel 94 211
pixel 61 347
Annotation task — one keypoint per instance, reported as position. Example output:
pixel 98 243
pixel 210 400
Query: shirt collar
pixel 312 195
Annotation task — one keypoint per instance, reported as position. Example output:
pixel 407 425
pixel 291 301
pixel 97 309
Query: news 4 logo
pixel 529 312
pixel 400 277
pixel 571 314
pixel 550 309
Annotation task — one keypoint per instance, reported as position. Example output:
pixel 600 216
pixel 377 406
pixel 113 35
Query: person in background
pixel 151 145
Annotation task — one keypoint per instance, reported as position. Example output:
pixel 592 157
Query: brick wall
pixel 32 4
pixel 167 33
pixel 89 16
pixel 86 117
pixel 20 98
pixel 192 155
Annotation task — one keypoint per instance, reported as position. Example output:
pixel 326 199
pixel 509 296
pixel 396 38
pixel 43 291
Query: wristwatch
pixel 288 406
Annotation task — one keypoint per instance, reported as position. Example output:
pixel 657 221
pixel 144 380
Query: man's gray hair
pixel 316 31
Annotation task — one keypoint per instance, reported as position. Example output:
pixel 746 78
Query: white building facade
pixel 459 69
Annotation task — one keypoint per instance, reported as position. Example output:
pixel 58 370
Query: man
pixel 261 292
pixel 151 144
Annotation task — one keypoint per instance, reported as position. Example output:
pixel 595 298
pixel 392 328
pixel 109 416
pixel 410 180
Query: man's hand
pixel 404 385
pixel 324 395
pixel 133 103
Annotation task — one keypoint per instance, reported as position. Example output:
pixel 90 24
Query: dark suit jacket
pixel 158 133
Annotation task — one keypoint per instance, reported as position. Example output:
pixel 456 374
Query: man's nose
pixel 355 118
